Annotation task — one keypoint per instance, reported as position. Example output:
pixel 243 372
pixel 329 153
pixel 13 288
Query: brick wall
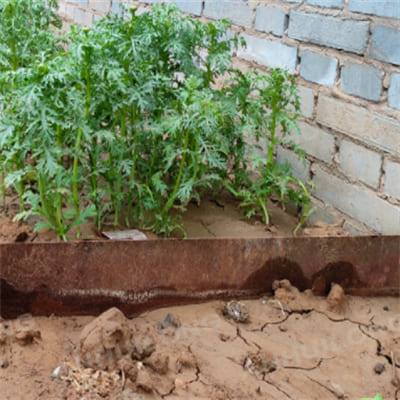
pixel 346 54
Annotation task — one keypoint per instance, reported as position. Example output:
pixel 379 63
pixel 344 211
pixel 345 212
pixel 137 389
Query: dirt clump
pixel 336 299
pixel 14 231
pixel 25 337
pixel 321 228
pixel 105 340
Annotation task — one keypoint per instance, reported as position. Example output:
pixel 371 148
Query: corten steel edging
pixel 90 276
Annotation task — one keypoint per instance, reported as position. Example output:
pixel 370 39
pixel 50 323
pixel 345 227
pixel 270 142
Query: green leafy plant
pixel 136 117
pixel 377 397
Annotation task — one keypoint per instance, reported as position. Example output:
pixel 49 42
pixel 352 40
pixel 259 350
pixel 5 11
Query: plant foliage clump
pixel 135 117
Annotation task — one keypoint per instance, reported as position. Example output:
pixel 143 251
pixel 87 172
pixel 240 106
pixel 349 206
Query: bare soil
pixel 211 218
pixel 290 346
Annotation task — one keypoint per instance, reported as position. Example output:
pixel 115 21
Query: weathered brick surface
pixel 326 3
pixel 239 12
pixel 362 81
pixel 318 68
pixel 301 170
pixel 306 96
pixel 271 54
pixel 318 143
pixel 385 44
pixel 328 31
pixel 392 179
pixel 356 121
pixel 100 5
pixel 194 7
pixel 394 91
pixel 382 8
pixel 117 7
pixel 362 204
pixel 360 163
pixel 271 20
pixel 82 17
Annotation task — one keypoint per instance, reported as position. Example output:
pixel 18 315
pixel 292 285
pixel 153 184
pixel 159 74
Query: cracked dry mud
pixel 293 346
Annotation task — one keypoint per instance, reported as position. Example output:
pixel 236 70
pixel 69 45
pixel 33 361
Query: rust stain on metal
pixel 88 277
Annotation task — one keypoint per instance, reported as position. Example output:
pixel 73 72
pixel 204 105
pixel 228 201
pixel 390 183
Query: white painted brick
pixel 360 123
pixel 306 96
pixel 239 12
pixel 315 142
pixel 317 68
pixel 301 170
pixel 82 17
pixel 194 7
pixel 362 204
pixel 345 34
pixel 268 53
pixel 362 81
pixel 385 44
pixel 100 5
pixel 392 179
pixel 360 163
pixel 271 20
pixel 383 8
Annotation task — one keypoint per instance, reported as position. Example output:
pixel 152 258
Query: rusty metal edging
pixel 90 276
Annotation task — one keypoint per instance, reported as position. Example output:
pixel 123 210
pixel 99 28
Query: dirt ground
pixel 212 218
pixel 290 346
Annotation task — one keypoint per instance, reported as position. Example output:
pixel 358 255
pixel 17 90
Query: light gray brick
pixel 271 20
pixel 301 170
pixel 103 6
pixel 82 17
pixel 356 228
pixel 392 179
pixel 394 91
pixel 239 12
pixel 306 96
pixel 382 8
pixel 359 123
pixel 194 7
pixel 360 163
pixel 362 81
pixel 385 44
pixel 315 142
pixel 271 54
pixel 318 68
pixel 329 31
pixel 117 7
pixel 326 3
pixel 357 202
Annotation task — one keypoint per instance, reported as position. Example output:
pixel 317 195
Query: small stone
pixel 4 364
pixel 386 308
pixel 61 371
pixel 236 310
pixel 170 321
pixel 379 368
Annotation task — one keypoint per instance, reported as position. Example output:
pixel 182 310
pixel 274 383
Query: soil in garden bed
pixel 290 346
pixel 221 217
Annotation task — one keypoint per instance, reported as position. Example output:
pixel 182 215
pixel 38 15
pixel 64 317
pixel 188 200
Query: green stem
pixel 172 198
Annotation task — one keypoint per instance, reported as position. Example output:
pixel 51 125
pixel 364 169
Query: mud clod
pixel 144 380
pixel 236 310
pixel 336 299
pixel 158 362
pixel 260 363
pixel 105 340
